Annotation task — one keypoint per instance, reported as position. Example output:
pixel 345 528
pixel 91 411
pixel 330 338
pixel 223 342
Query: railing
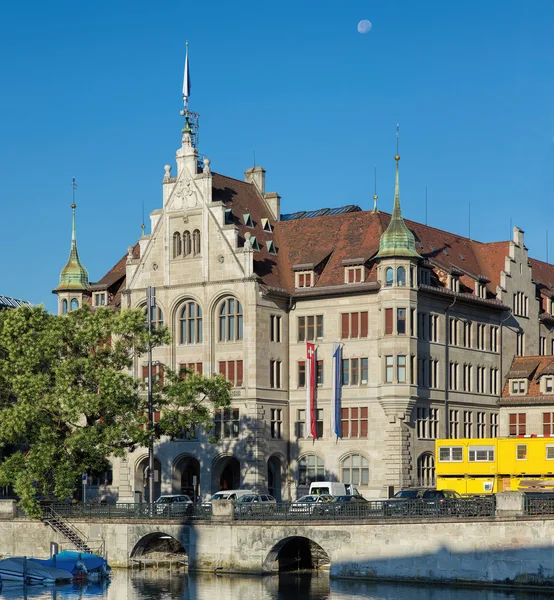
pixel 137 511
pixel 540 503
pixel 464 508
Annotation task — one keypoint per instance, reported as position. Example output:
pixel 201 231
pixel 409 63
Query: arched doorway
pixel 226 474
pixel 296 554
pixel 158 542
pixel 142 480
pixel 426 470
pixel 186 477
pixel 274 477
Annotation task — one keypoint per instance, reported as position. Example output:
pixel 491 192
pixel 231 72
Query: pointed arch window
pixel 230 320
pixel 176 245
pixel 64 307
pixel 196 242
pixel 389 276
pixel 74 305
pixel 191 323
pixel 401 276
pixel 187 244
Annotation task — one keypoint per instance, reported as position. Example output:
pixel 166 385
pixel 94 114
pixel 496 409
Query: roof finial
pixel 375 196
pixel 186 80
pixel 143 226
pixel 73 207
pixel 397 157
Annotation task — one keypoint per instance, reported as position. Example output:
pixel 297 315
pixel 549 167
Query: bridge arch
pixel 296 553
pixel 158 542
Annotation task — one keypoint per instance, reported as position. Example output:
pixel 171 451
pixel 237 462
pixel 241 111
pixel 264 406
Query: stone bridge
pixel 503 549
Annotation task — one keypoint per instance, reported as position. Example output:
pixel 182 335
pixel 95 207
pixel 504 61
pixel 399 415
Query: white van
pixel 230 495
pixel 333 488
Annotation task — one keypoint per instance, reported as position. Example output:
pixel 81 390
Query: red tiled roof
pixel 530 368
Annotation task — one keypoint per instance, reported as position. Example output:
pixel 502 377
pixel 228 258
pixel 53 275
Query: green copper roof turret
pixel 73 276
pixel 397 240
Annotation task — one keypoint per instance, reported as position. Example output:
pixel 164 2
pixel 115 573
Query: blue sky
pixel 93 90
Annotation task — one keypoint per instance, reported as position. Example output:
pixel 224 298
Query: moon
pixel 364 26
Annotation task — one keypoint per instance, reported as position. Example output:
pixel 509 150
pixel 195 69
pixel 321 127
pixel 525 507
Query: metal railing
pixel 540 503
pixel 128 511
pixel 464 508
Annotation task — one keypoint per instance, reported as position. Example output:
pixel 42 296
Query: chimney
pixel 256 175
pixel 273 200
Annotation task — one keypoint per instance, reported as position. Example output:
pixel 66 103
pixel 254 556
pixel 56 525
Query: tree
pixel 68 401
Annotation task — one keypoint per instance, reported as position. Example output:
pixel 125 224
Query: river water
pixel 160 585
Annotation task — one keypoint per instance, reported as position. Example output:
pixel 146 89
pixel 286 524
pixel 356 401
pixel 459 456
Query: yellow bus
pixel 489 465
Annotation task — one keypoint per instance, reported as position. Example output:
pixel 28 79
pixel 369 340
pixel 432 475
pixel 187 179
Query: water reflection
pixel 161 585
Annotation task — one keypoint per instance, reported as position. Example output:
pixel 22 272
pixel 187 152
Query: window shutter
pixel 145 373
pixel 199 368
pixel 231 373
pixel 363 324
pixel 345 326
pixel 388 320
pixel 239 373
pixel 156 416
pixel 351 276
pixel 160 374
pixel 223 368
pixel 355 318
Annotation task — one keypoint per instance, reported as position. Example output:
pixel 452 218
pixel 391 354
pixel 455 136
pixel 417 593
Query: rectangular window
pixel 493 333
pixel 319 373
pixel 354 371
pixel 304 279
pixel 354 274
pixel 310 328
pixel 548 385
pixel 389 368
pixel 354 422
pixel 453 331
pixel 187 368
pixel 100 299
pixel 450 454
pixel 454 423
pixel 480 336
pixel 354 325
pixel 480 380
pixel 274 373
pixel 421 325
pixel 276 423
pixel 388 321
pixel 518 386
pixel 434 328
pixel 421 423
pixel 467 378
pixel 301 373
pixel 364 371
pixel 275 326
pixel 453 376
pixel 521 452
pixel 157 374
pixel 226 423
pixel 232 370
pixel 550 452
pixel 493 381
pixel 300 423
pixel 520 343
pixel 412 322
pixel 433 428
pixel 433 373
pixel 493 432
pixel 518 423
pixel 319 422
pixel 481 454
pixel 481 423
pixel 548 423
pixel 468 424
pixel 401 369
pixel 401 321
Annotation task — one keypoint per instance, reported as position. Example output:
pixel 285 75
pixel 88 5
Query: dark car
pixel 423 501
pixel 348 506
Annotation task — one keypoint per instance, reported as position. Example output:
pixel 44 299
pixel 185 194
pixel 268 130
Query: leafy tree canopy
pixel 68 400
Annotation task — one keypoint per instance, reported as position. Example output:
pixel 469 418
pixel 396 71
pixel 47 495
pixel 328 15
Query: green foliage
pixel 68 400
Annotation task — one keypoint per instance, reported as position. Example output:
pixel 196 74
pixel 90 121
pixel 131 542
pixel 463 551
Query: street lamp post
pixel 150 306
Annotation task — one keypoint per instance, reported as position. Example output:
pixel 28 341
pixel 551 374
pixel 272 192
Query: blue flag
pixel 337 390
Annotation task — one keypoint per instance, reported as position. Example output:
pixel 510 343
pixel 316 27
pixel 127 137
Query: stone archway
pixel 296 553
pixel 142 482
pixel 274 480
pixel 158 545
pixel 225 474
pixel 186 476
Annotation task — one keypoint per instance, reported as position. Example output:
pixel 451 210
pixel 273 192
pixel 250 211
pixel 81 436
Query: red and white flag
pixel 311 430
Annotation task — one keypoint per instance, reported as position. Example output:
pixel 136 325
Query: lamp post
pixel 150 306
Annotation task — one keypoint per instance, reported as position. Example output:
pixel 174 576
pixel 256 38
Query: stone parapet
pixel 510 504
pixel 7 509
pixel 222 510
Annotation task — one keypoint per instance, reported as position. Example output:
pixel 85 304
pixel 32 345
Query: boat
pixel 26 570
pixel 82 565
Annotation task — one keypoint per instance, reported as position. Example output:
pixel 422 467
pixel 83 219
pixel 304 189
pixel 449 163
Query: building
pixel 428 322
pixel 7 302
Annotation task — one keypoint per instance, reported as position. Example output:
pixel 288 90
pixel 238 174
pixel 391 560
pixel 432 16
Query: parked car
pixel 422 501
pixel 349 506
pixel 255 503
pixel 333 488
pixel 229 495
pixel 310 504
pixel 174 504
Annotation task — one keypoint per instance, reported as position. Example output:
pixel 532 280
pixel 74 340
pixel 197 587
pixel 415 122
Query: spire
pixel 397 239
pixel 73 276
pixel 190 128
pixel 375 196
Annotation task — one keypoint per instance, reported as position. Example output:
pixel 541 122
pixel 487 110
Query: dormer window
pixel 271 247
pixel 454 283
pixel 100 299
pixel 254 243
pixel 547 385
pixel 518 386
pixel 248 220
pixel 267 225
pixel 354 274
pixel 304 279
pixel 229 219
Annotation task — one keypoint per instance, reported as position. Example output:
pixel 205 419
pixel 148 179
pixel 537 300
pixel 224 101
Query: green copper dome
pixel 397 240
pixel 73 276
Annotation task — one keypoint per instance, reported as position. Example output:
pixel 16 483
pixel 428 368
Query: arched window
pixel 191 323
pixel 230 320
pixel 355 470
pixel 64 307
pixel 157 317
pixel 196 242
pixel 401 276
pixel 426 470
pixel 389 276
pixel 176 244
pixel 74 304
pixel 186 243
pixel 310 468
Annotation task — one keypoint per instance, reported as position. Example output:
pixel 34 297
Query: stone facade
pixel 429 335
